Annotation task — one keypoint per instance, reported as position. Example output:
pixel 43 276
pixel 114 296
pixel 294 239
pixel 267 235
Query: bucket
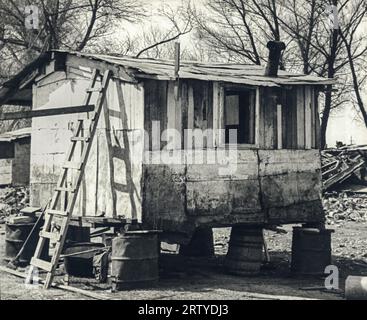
pixel 81 265
pixel 311 251
pixel 245 252
pixel 135 258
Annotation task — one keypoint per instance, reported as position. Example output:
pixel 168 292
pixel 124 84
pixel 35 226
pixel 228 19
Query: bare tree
pixel 156 39
pixel 355 42
pixel 64 24
pixel 238 29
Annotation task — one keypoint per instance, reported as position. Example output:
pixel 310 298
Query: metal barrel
pixel 82 264
pixel 16 235
pixel 245 252
pixel 311 251
pixel 135 260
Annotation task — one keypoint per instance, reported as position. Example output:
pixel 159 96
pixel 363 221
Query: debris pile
pixel 339 165
pixel 12 200
pixel 345 206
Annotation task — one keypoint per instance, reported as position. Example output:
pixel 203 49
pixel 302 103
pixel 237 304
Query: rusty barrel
pixel 15 238
pixel 245 253
pixel 135 258
pixel 311 251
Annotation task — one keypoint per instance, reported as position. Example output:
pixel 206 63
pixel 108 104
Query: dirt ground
pixel 205 279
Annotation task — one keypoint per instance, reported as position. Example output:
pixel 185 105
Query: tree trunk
pixel 331 74
pixel 356 85
pixel 325 116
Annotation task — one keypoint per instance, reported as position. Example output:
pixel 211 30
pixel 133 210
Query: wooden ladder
pixel 71 192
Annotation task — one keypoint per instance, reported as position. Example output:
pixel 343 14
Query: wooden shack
pixel 15 149
pixel 139 171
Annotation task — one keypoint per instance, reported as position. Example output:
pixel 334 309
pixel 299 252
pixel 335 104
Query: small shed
pixel 168 159
pixel 15 148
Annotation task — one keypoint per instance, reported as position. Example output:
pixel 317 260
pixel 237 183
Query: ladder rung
pixel 71 190
pixel 94 90
pixel 81 139
pixel 53 236
pixel 72 165
pixel 41 264
pixel 57 213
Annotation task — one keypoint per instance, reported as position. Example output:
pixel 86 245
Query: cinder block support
pixel 311 250
pixel 201 244
pixel 245 253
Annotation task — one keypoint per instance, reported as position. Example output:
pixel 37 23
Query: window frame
pixel 223 88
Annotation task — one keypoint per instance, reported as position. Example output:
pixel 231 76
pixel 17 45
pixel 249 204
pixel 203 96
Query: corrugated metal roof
pixel 234 73
pixel 15 135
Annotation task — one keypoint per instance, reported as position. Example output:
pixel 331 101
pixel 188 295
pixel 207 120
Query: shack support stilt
pixel 245 253
pixel 311 250
pixel 201 244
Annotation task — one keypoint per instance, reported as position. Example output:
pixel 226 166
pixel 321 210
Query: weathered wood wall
pixel 112 183
pixel 285 118
pixel 192 110
pixel 269 186
pixel 300 118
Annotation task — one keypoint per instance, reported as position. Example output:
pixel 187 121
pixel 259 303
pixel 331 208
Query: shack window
pixel 240 115
pixel 7 150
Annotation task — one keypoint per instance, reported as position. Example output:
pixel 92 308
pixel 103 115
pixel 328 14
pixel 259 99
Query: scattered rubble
pixel 345 206
pixel 12 200
pixel 339 165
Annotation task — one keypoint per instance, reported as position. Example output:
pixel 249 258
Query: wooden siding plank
pixel 216 112
pixel 308 118
pixel 210 105
pixel 190 113
pixel 45 112
pixel 184 105
pixel 171 106
pixel 317 122
pixel 313 119
pixel 257 117
pixel 279 127
pixel 269 116
pixel 300 118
